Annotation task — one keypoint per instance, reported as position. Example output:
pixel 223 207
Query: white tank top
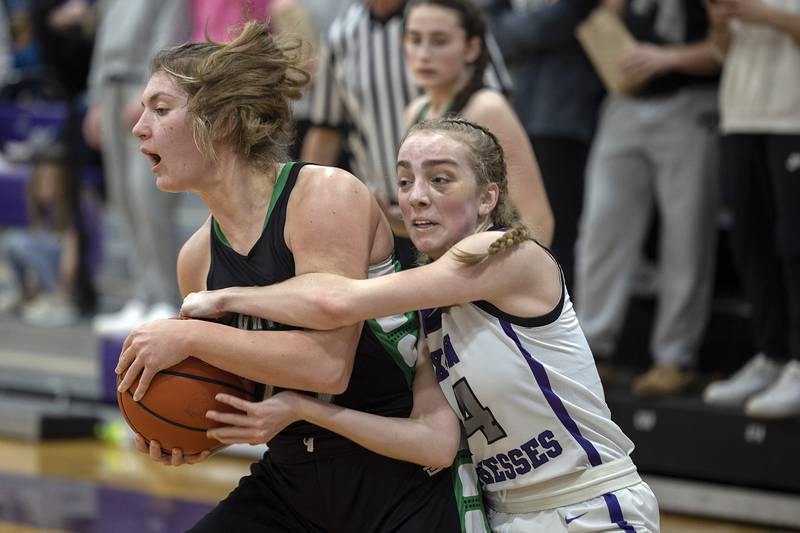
pixel 527 392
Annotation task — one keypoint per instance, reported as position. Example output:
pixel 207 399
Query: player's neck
pixel 239 199
pixel 441 97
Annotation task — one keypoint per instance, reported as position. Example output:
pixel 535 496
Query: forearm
pixel 312 361
pixel 423 441
pixel 783 21
pixel 696 58
pixel 300 301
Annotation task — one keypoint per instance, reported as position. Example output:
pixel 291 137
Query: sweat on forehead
pixel 437 144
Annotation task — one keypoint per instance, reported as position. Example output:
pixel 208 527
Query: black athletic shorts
pixel 359 492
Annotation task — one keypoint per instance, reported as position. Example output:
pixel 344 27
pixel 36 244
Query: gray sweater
pixel 556 90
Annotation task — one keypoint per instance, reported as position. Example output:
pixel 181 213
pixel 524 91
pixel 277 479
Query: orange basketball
pixel 173 410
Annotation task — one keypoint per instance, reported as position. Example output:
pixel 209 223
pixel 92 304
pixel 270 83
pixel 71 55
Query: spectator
pixel 65 33
pixel 118 73
pixel 360 92
pixel 557 98
pixel 652 147
pixel 43 256
pixel 759 42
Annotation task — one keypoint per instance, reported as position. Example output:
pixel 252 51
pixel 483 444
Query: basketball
pixel 173 410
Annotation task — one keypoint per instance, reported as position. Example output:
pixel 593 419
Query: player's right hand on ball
pixel 258 422
pixel 153 450
pixel 203 304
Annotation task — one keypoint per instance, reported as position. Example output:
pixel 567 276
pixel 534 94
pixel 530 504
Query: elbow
pixel 447 441
pixel 335 379
pixel 335 309
pixel 444 454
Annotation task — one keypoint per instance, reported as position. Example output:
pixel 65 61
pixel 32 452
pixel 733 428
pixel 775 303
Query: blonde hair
pixel 240 91
pixel 487 161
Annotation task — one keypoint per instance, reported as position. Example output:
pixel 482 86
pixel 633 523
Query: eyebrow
pixel 429 163
pixel 155 96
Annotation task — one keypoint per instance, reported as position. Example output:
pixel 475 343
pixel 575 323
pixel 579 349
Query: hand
pixel 752 11
pixel 203 304
pixel 261 421
pixel 646 61
pixel 176 458
pixel 150 348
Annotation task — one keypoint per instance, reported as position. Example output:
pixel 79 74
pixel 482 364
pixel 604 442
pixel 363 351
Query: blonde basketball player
pixel 215 122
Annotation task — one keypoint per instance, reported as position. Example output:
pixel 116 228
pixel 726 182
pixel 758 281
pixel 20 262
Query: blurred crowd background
pixel 674 196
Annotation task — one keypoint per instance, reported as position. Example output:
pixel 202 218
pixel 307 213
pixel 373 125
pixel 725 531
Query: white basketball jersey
pixel 526 390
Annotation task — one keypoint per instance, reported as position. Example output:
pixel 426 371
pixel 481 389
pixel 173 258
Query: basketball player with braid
pixel 504 342
pixel 445 48
pixel 214 122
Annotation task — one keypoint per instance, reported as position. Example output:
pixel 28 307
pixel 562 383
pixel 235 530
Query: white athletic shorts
pixel 632 509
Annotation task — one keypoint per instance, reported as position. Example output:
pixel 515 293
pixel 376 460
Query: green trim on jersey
pixel 400 341
pixel 424 111
pixel 468 493
pixel 280 183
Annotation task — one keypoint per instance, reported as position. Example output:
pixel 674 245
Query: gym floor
pixel 87 486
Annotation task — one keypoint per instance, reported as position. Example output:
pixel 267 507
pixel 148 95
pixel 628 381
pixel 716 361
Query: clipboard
pixel 605 39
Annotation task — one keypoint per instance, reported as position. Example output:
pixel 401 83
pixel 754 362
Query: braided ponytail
pixel 509 240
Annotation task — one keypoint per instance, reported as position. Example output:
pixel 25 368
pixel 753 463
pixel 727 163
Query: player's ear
pixel 488 200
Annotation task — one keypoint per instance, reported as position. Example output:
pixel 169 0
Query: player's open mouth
pixel 155 159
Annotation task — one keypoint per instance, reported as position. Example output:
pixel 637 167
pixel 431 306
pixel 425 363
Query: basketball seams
pixel 173 410
pixel 165 419
pixel 207 380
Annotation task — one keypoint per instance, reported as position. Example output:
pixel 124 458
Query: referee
pixel 360 92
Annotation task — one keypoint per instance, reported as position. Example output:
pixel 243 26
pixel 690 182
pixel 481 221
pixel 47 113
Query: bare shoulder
pixel 486 104
pixel 527 266
pixel 324 184
pixel 327 191
pixel 194 260
pixel 331 220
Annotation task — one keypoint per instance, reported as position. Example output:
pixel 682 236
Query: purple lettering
pixel 506 464
pixel 491 462
pixel 521 465
pixel 450 355
pixel 441 371
pixel 484 475
pixel 548 440
pixel 537 459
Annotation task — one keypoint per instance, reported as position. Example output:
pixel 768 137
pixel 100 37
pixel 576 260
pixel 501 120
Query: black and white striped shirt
pixel 363 87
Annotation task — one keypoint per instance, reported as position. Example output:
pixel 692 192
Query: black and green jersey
pixel 386 354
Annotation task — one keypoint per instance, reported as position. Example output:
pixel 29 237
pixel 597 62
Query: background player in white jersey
pixel 504 341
